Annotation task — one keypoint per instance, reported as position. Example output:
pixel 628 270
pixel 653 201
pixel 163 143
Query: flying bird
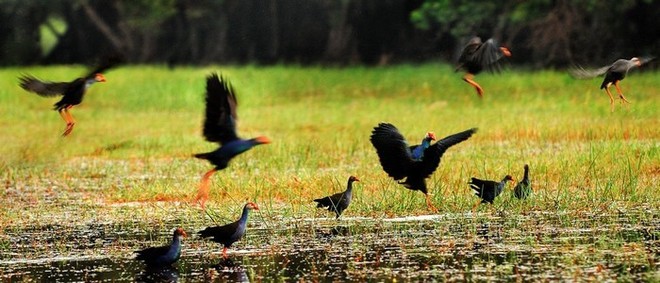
pixel 72 92
pixel 488 190
pixel 477 56
pixel 614 73
pixel 397 158
pixel 338 202
pixel 220 127
pixel 524 188
pixel 230 233
pixel 165 255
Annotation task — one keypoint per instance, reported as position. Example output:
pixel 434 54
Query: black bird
pixel 477 56
pixel 220 127
pixel 165 255
pixel 397 160
pixel 230 233
pixel 614 73
pixel 488 190
pixel 338 202
pixel 524 188
pixel 72 92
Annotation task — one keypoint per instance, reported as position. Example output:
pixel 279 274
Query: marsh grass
pixel 135 135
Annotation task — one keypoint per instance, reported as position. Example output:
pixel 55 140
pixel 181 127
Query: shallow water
pixel 538 246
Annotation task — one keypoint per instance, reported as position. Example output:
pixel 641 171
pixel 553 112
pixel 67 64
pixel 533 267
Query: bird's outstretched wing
pixel 220 121
pixel 488 54
pixel 432 155
pixel 581 73
pixel 392 150
pixel 105 63
pixel 43 88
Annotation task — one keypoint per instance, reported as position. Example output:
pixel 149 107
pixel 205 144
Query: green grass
pixel 136 133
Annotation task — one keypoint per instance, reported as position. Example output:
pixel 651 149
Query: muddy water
pixel 539 246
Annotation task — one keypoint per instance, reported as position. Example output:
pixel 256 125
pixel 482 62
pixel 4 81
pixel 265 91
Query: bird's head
pixel 509 178
pixel 99 77
pixel 179 232
pixel 262 140
pixel 526 167
pixel 430 136
pixel 636 61
pixel 505 51
pixel 353 179
pixel 252 205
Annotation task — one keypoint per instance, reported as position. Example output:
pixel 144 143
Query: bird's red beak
pixel 505 51
pixel 263 140
pixel 99 78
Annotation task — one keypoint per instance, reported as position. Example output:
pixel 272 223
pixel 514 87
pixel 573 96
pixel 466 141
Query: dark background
pixel 540 33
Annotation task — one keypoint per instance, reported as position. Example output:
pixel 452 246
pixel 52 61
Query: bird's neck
pixel 526 175
pixel 244 216
pixel 503 183
pixel 89 82
pixel 349 186
pixel 176 244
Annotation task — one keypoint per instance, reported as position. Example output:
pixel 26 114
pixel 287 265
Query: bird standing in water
pixel 477 56
pixel 524 188
pixel 220 127
pixel 72 92
pixel 165 255
pixel 230 233
pixel 614 73
pixel 397 158
pixel 338 202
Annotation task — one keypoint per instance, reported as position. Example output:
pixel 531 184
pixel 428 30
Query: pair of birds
pixel 225 235
pixel 477 56
pixel 488 190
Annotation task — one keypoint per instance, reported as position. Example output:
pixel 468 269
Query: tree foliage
pixel 539 32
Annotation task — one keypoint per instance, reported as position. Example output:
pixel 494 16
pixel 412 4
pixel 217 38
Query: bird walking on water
pixel 478 55
pixel 338 202
pixel 220 127
pixel 614 73
pixel 165 255
pixel 524 188
pixel 399 161
pixel 72 92
pixel 230 233
pixel 488 190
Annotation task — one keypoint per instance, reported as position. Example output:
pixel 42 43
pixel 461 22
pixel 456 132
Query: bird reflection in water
pixel 158 274
pixel 228 270
pixel 333 232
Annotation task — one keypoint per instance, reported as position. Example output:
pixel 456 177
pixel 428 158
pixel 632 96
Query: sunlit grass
pixel 136 133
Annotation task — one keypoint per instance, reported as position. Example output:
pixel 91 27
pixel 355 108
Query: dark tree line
pixel 540 33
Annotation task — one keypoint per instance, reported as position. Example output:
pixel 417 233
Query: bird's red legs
pixel 623 98
pixel 204 188
pixel 70 122
pixel 224 253
pixel 429 204
pixel 607 89
pixel 475 206
pixel 469 79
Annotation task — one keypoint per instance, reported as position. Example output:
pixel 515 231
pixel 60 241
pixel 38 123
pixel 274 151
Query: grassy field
pixel 135 135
